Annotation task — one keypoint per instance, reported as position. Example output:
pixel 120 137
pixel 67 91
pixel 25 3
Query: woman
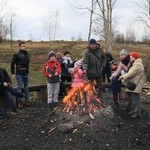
pixel 135 75
pixel 122 68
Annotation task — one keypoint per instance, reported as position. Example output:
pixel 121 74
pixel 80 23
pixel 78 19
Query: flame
pixel 82 98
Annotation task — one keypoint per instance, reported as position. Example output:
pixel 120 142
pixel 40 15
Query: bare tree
pixel 3 26
pixel 12 26
pixel 105 13
pixel 130 36
pixel 90 8
pixel 144 12
pixel 51 24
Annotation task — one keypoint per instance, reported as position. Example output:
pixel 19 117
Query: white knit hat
pixel 123 52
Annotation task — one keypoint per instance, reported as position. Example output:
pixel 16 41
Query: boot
pixel 27 103
pixel 20 104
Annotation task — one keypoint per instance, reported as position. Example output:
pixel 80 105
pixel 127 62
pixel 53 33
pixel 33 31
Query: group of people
pixel 93 66
pixel 20 71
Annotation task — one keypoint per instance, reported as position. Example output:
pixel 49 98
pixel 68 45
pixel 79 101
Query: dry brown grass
pixel 39 54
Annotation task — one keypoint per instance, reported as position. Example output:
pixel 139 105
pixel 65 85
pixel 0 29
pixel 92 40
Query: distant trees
pixel 4 29
pixel 51 24
pixel 100 16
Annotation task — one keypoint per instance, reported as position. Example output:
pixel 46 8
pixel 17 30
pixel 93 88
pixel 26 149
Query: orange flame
pixel 84 96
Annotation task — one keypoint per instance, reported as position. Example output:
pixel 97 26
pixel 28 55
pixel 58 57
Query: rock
pixel 65 127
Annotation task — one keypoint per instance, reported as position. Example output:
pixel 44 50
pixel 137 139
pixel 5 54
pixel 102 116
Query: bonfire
pixel 82 99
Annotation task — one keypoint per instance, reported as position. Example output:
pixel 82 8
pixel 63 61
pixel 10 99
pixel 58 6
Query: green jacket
pixel 93 62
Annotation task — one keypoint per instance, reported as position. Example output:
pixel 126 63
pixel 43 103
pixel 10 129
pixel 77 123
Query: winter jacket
pixel 78 77
pixel 66 66
pixel 4 77
pixel 52 68
pixel 21 59
pixel 134 74
pixel 148 70
pixel 109 59
pixel 93 62
pixel 123 66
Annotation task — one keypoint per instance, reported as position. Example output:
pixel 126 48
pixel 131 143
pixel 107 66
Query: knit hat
pixel 123 52
pixel 51 53
pixel 136 55
pixel 78 63
pixel 92 41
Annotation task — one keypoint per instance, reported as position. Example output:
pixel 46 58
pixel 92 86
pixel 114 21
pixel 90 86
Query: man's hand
pixel 50 76
pixel 110 78
pixel 6 84
pixel 13 76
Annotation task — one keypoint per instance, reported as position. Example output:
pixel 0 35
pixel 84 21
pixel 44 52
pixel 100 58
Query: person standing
pixel 93 63
pixel 135 75
pixel 107 68
pixel 51 71
pixel 122 68
pixel 20 68
pixel 67 65
pixel 78 74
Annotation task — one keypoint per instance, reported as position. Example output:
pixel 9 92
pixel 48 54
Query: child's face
pixel 52 58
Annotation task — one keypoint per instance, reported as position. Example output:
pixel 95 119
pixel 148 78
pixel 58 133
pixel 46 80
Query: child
pixel 78 74
pixel 51 70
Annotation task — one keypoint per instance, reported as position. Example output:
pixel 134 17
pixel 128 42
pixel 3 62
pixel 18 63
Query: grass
pixel 39 54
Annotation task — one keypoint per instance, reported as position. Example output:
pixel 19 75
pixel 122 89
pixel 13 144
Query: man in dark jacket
pixel 107 69
pixel 20 62
pixel 7 90
pixel 93 62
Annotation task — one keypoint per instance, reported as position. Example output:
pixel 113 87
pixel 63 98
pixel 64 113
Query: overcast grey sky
pixel 72 22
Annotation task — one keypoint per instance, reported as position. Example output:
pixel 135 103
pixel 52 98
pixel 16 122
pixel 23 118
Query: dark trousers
pixel 134 103
pixel 99 85
pixel 106 74
pixel 66 79
pixel 116 88
pixel 9 92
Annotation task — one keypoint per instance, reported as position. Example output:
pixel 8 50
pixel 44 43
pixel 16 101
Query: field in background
pixel 39 54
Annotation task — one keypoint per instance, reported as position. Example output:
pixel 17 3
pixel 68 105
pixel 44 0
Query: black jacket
pixel 4 77
pixel 21 59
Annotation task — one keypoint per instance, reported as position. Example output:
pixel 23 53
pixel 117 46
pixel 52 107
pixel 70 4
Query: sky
pixel 31 13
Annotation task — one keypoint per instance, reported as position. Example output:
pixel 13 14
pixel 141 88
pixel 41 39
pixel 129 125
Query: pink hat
pixel 78 63
pixel 136 55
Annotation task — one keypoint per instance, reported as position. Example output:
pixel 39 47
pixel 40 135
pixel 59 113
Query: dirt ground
pixel 38 128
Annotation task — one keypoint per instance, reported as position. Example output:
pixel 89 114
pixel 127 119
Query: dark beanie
pixel 51 53
pixel 92 41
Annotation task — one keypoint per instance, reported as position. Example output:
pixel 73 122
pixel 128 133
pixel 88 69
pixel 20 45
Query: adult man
pixel 21 61
pixel 93 63
pixel 7 90
pixel 107 69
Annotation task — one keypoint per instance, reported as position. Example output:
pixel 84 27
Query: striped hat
pixel 78 63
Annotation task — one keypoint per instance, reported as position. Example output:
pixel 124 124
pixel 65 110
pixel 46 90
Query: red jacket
pixel 51 70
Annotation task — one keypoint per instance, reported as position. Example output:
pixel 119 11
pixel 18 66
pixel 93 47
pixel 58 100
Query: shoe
pixel 56 104
pixel 27 103
pixel 135 116
pixel 4 116
pixel 20 104
pixel 49 106
pixel 130 113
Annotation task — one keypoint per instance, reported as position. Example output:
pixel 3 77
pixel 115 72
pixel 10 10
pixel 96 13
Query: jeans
pixel 9 92
pixel 23 82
